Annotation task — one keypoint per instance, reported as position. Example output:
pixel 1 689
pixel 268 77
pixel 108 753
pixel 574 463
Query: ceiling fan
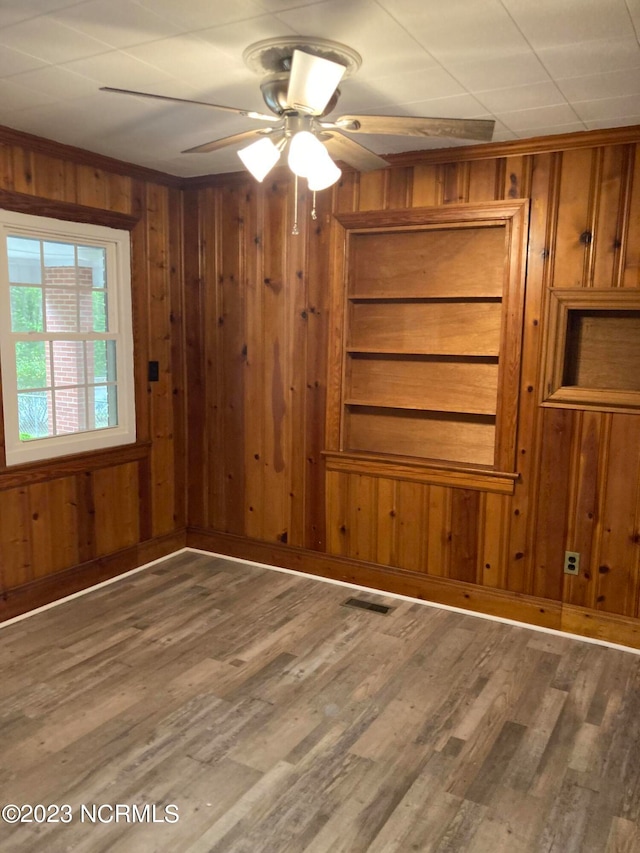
pixel 301 88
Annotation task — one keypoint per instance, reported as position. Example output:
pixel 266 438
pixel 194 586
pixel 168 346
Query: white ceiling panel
pixel 556 22
pixel 50 40
pixel 536 68
pixel 118 23
pixel 591 57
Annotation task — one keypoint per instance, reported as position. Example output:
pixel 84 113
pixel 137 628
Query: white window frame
pixel 120 325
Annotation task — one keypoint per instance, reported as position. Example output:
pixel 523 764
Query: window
pixel 66 346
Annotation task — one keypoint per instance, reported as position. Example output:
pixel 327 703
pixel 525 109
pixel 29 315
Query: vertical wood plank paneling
pixel 411 507
pixel 398 187
pixel 232 352
pixel 295 356
pixel 464 535
pixel 161 392
pixel 439 531
pixel 338 534
pixel 483 180
pixel 494 540
pixel 115 494
pixel 362 517
pixel 574 209
pixel 619 554
pixel 254 404
pixel 198 485
pixel 85 517
pixel 427 186
pixel 552 503
pixel 584 485
pixel 93 187
pixel 277 225
pixel 22 170
pixel 54 178
pixel 316 374
pixel 372 194
pixel 54 542
pixel 15 540
pixel 537 178
pixel 607 227
pixel 386 526
pixel 178 375
pixel 631 260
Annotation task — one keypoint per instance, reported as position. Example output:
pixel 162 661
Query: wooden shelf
pixel 428 319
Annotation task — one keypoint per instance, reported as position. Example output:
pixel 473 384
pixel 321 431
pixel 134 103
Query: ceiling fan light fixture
pixel 305 151
pixel 325 173
pixel 260 157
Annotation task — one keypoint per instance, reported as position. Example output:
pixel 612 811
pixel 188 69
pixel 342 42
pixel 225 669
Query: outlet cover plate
pixel 571 563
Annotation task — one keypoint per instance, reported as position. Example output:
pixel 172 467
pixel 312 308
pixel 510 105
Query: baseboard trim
pixel 81 578
pixel 620 632
pixel 494 602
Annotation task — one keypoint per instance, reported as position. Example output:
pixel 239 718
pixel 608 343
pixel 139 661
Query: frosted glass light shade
pixel 304 151
pixel 260 157
pixel 324 173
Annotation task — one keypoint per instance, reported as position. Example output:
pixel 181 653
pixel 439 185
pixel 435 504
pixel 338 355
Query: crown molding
pixel 520 147
pixel 50 148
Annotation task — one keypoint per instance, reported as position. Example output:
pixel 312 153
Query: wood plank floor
pixel 278 720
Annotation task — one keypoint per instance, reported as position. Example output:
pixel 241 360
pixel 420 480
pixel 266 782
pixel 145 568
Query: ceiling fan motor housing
pixel 274 90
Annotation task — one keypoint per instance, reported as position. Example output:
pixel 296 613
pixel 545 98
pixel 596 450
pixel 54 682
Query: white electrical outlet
pixel 571 563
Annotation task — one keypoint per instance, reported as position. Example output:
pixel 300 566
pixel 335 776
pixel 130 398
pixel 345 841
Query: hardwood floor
pixel 278 720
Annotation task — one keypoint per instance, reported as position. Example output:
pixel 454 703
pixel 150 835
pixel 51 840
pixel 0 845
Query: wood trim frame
pixel 68 211
pixel 553 393
pixel 514 215
pixel 49 469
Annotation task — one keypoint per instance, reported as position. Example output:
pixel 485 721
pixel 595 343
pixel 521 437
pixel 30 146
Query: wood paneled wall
pixel 69 523
pixel 257 328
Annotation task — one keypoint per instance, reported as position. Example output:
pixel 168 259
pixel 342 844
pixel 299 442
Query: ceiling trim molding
pixel 50 148
pixel 519 147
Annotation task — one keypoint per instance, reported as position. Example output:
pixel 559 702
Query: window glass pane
pixel 99 319
pixel 59 255
pixel 68 363
pixel 35 418
pixel 24 260
pixel 101 361
pixel 94 257
pixel 32 364
pixel 61 307
pixel 71 410
pixel 105 402
pixel 26 309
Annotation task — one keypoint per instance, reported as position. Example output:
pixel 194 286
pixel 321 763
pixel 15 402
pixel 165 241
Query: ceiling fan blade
pixel 455 128
pixel 356 155
pixel 216 144
pixel 312 82
pixel 236 110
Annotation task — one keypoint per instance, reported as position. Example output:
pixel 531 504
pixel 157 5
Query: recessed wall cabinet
pixel 427 306
pixel 593 350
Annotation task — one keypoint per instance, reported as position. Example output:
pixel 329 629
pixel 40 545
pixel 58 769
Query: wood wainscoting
pixel 259 327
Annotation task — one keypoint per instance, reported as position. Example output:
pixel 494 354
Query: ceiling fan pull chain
pixel 314 215
pixel 295 230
